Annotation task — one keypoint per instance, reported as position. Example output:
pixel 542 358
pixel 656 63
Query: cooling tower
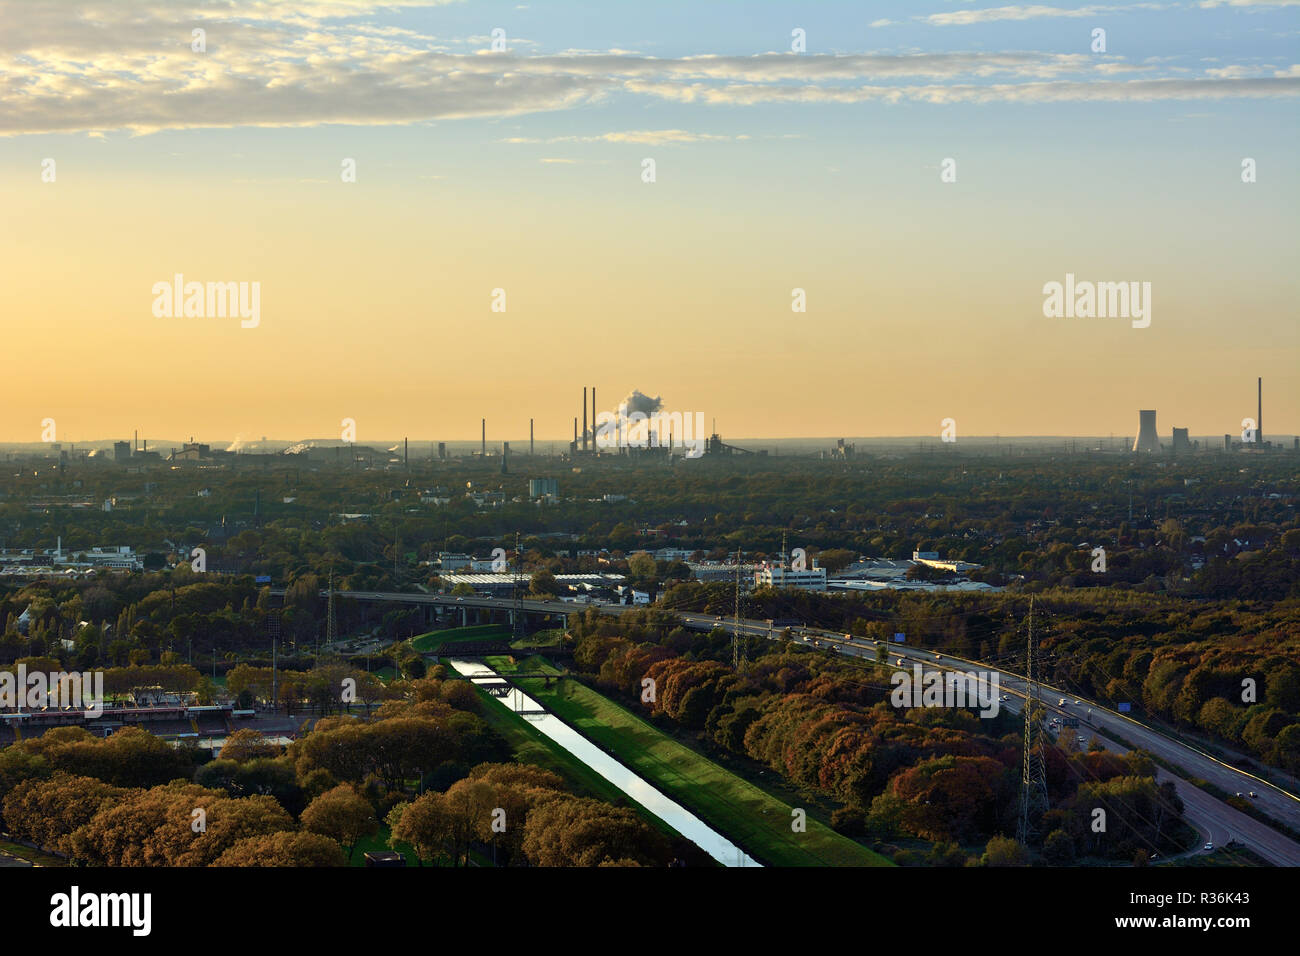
pixel 1147 440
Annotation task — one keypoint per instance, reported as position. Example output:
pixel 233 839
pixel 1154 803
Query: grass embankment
pixel 432 641
pixel 1224 856
pixel 530 746
pixel 553 637
pixel 735 807
pixel 34 857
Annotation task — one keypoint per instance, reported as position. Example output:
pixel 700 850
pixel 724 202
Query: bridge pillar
pixel 463 617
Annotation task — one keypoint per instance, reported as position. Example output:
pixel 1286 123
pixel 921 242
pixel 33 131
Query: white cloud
pixel 1211 4
pixel 1032 12
pixel 647 137
pixel 105 65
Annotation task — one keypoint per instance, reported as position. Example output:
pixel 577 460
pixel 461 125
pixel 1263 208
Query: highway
pixel 1216 820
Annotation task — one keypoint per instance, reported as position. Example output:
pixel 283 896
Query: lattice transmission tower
pixel 1033 777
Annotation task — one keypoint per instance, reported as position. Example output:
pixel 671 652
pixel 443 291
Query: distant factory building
pixel 811 579
pixel 706 571
pixel 192 451
pixel 543 488
pixel 121 450
pixel 504 582
pixel 932 560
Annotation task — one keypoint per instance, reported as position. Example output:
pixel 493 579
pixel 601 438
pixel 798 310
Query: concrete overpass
pixel 460 607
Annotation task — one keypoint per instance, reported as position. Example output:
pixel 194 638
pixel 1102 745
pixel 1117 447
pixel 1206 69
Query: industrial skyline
pixel 488 231
pixel 585 431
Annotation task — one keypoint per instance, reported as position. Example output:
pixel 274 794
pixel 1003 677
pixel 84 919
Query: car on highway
pixel 1005 697
pixel 1208 846
pixel 938 657
pixel 901 661
pixel 1253 794
pixel 1061 702
pixel 1078 702
pixel 1080 738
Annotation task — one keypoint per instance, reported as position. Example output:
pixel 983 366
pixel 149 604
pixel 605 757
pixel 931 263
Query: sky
pixel 921 170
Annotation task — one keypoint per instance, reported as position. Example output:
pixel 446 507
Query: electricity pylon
pixel 737 656
pixel 1033 777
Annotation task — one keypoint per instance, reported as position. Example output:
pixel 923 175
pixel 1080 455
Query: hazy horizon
pixel 915 176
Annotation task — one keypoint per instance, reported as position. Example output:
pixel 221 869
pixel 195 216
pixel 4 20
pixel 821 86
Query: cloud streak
pixel 104 66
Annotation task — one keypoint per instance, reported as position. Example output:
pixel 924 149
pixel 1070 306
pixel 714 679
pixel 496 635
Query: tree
pixel 470 804
pixel 576 831
pixel 343 815
pixel 1004 851
pixel 247 744
pixel 1058 848
pixel 641 569
pixel 425 824
pixel 285 848
pixel 47 812
pixel 836 559
pixel 543 584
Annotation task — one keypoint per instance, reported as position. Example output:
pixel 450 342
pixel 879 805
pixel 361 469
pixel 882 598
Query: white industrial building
pixel 810 579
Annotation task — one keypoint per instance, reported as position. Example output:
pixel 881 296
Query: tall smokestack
pixel 584 418
pixel 483 447
pixel 530 438
pixel 406 451
pixel 1259 411
pixel 575 434
pixel 593 419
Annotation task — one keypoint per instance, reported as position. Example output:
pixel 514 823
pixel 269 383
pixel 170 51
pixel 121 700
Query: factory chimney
pixel 1259 411
pixel 593 419
pixel 530 438
pixel 483 447
pixel 584 418
pixel 1147 440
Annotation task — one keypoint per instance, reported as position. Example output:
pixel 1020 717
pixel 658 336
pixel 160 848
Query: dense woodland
pixel 1195 623
pixel 425 763
pixel 945 775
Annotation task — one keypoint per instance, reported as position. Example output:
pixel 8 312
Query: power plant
pixel 1147 439
pixel 1252 438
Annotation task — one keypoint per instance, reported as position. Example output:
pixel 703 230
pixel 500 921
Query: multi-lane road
pixel 1218 822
